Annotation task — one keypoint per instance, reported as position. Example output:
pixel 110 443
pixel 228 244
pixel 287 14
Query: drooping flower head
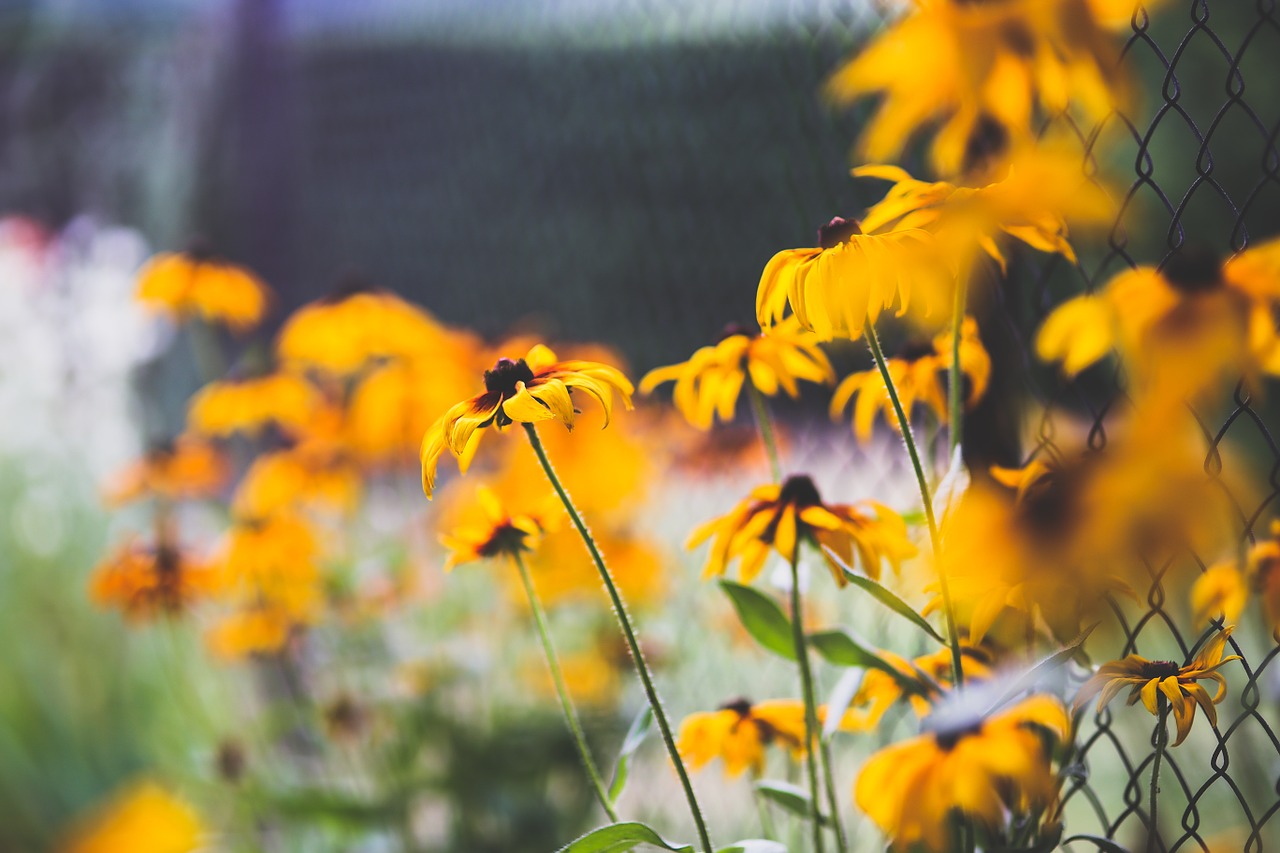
pixel 709 383
pixel 1223 591
pixel 920 376
pixel 880 691
pixel 850 278
pixel 780 517
pixel 1155 680
pixel 529 390
pixel 197 283
pixel 499 532
pixel 989 769
pixel 738 732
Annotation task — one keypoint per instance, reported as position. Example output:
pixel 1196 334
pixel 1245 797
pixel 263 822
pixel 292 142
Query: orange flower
pixel 260 630
pixel 500 532
pixel 187 469
pixel 739 731
pixel 144 819
pixel 196 283
pixel 144 581
pixel 1224 591
pixel 247 405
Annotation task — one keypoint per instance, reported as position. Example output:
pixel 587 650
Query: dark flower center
pixel 740 706
pixel 506 539
pixel 798 490
pixel 505 375
pixel 987 141
pixel 732 330
pixel 1160 669
pixel 916 350
pixel 199 250
pixel 950 734
pixel 837 231
pixel 1018 38
pixel 1193 269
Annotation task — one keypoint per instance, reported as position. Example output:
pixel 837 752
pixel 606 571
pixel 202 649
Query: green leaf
pixel 793 798
pixel 318 805
pixel 754 845
pixel 1104 844
pixel 843 649
pixel 886 597
pixel 763 618
pixel 620 837
pixel 640 727
pixel 1042 668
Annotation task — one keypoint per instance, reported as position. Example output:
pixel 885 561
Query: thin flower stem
pixel 955 396
pixel 953 635
pixel 1161 739
pixel 765 424
pixel 810 708
pixel 566 703
pixel 833 799
pixel 624 621
pixel 767 829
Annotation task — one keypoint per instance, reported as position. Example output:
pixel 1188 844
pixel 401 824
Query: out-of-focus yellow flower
pixel 739 731
pixel 563 572
pixel 144 819
pixel 920 376
pixel 145 581
pixel 988 769
pixel 341 334
pixel 500 532
pixel 529 390
pixel 708 384
pixel 247 405
pixel 591 678
pixel 260 630
pixel 779 518
pixel 1224 591
pixel 978 70
pixel 1178 328
pixel 880 691
pixel 274 559
pixel 188 469
pixel 1148 680
pixel 300 476
pixel 196 283
pixel 850 278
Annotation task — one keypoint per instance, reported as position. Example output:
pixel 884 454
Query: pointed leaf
pixel 640 727
pixel 763 618
pixel 885 596
pixel 843 649
pixel 791 797
pixel 620 837
pixel 841 698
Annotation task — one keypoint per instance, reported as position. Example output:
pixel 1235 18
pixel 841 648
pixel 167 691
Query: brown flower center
pixel 740 706
pixel 799 491
pixel 506 539
pixel 1160 669
pixel 916 350
pixel 837 231
pixel 988 140
pixel 951 733
pixel 505 375
pixel 1193 269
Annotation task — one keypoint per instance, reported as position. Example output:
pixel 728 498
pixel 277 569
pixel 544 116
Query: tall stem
pixel 955 397
pixel 566 703
pixel 1162 737
pixel 953 635
pixel 765 424
pixel 624 621
pixel 833 799
pixel 810 709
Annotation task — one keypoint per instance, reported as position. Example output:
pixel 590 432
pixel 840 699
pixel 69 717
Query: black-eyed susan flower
pixel 739 731
pixel 317 471
pixel 145 581
pixel 850 278
pixel 248 405
pixel 498 532
pixel 880 691
pixel 978 71
pixel 919 374
pixel 709 383
pixel 989 770
pixel 1179 327
pixel 1153 680
pixel 780 517
pixel 1223 591
pixel 258 629
pixel 145 818
pixel 529 390
pixel 185 469
pixel 197 283
pixel 274 559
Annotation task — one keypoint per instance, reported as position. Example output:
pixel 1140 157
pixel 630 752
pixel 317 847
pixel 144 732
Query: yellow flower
pixel 978 70
pixel 592 677
pixel 562 570
pixel 145 581
pixel 300 476
pixel 343 333
pixel 879 691
pixel 196 283
pixel 1149 680
pixel 781 517
pixel 1179 327
pixel 530 390
pixel 988 769
pixel 1224 591
pixel 248 405
pixel 850 278
pixel 144 819
pixel 708 384
pixel 501 533
pixel 277 560
pixel 739 731
pixel 260 630
pixel 186 469
pixel 920 376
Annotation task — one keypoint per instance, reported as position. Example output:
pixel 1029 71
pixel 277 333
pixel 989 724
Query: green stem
pixel 953 635
pixel 624 621
pixel 955 397
pixel 833 799
pixel 767 829
pixel 1162 737
pixel 810 708
pixel 566 703
pixel 765 424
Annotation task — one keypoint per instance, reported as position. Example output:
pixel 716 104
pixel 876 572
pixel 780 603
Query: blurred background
pixel 606 170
